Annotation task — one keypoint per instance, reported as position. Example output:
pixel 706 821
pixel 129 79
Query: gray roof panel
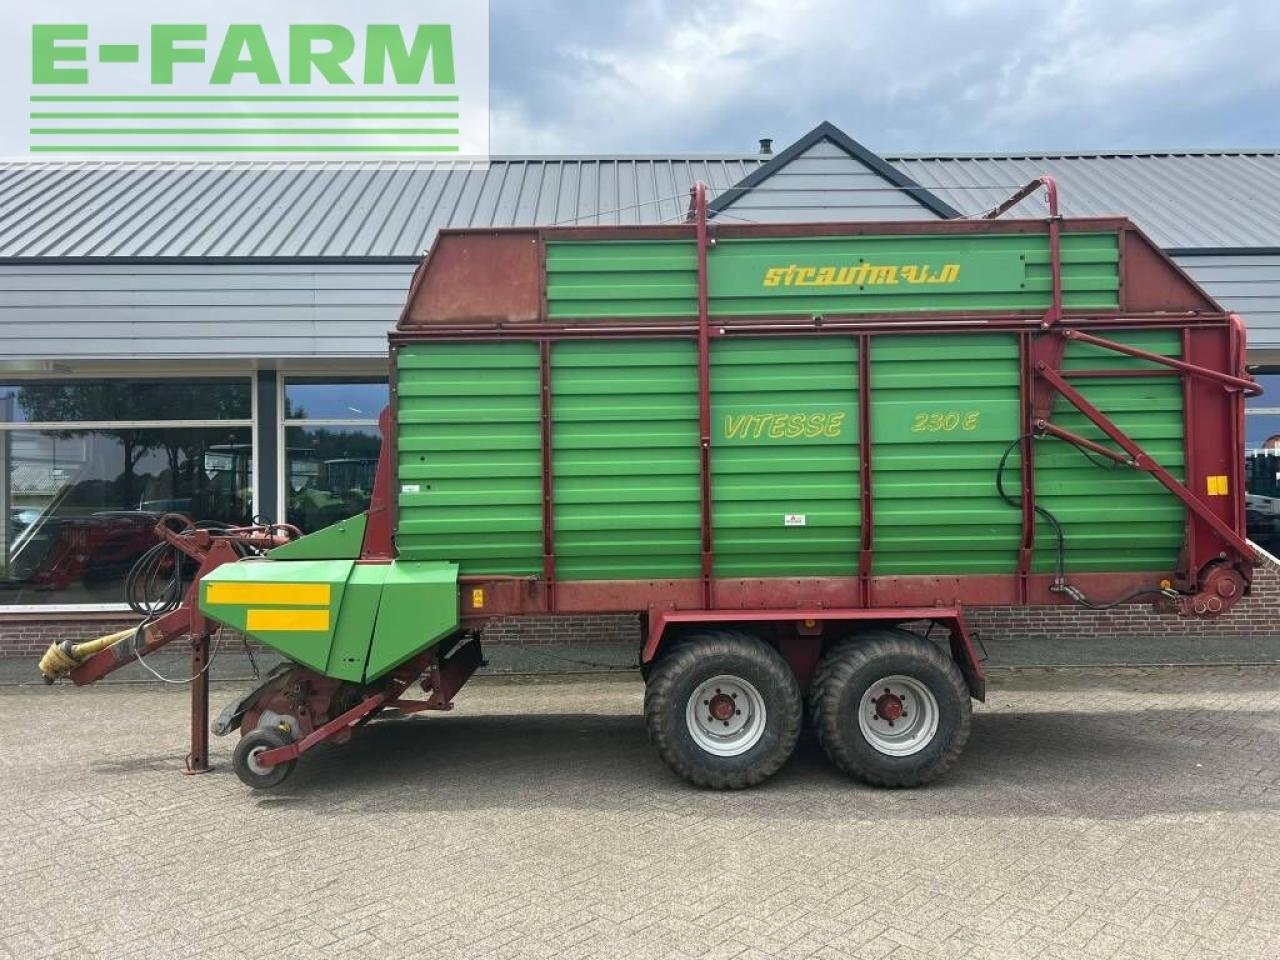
pixel 1184 200
pixel 393 208
pixel 377 208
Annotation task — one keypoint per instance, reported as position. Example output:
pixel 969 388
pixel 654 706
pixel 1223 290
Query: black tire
pixel 699 658
pixel 848 672
pixel 256 742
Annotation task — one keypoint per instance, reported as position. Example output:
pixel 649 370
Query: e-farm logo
pixel 402 78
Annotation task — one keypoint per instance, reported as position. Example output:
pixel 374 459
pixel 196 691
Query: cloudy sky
pixel 899 75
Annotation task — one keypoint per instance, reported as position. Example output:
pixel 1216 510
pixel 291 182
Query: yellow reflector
pixel 293 594
pixel 477 598
pixel 287 620
pixel 1217 486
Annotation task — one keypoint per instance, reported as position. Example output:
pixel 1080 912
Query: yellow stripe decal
pixel 295 621
pixel 292 594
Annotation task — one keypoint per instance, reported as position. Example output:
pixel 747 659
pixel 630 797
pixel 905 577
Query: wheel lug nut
pixel 737 713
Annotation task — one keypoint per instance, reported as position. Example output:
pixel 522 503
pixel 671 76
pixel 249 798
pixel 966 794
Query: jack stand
pixel 198 758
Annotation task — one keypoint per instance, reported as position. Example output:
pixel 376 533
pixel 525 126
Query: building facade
pixel 209 337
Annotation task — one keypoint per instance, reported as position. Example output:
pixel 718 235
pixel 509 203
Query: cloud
pixel 947 75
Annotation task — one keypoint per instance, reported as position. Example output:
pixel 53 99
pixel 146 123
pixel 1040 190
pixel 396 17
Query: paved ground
pixel 1095 814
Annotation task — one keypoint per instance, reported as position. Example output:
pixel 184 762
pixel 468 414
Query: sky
pixel 908 76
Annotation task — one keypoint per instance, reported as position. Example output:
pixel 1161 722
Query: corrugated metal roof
pixel 392 208
pixel 348 209
pixel 1190 199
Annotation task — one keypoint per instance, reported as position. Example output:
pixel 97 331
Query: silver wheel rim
pixel 726 716
pixel 898 715
pixel 251 761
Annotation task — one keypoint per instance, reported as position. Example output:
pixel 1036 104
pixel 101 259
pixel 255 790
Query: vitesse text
pixel 783 426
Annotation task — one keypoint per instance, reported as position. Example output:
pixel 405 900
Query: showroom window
pixel 330 447
pixel 1262 463
pixel 88 466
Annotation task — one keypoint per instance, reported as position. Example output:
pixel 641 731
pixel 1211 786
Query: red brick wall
pixel 1257 615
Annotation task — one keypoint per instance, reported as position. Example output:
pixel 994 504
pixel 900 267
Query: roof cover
pixel 378 208
pixel 392 208
pixel 1192 199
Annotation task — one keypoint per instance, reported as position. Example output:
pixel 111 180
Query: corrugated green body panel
pixel 943 409
pixel 469 455
pixel 622 278
pixel 785 456
pixel 830 275
pixel 625 429
pixel 1115 518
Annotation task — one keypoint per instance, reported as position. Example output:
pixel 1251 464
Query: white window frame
pixel 86 425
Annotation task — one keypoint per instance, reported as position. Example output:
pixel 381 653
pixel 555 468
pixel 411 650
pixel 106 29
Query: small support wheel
pixel 723 709
pixel 244 759
pixel 890 708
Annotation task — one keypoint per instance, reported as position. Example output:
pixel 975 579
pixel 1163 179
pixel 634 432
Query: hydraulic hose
pixel 1060 584
pixel 152 588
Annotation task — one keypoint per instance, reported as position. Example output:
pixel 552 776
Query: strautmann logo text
pixel 378 77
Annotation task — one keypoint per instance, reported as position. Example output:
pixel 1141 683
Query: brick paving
pixel 1096 814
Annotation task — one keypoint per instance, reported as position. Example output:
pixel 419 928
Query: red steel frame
pixel 1214 531
pixel 210 550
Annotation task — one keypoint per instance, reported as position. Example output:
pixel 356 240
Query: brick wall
pixel 23 635
pixel 1257 615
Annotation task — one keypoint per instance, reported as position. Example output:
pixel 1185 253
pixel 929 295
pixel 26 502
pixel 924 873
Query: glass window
pixel 329 473
pixel 312 399
pixel 87 466
pixel 1262 463
pixel 82 503
pixel 59 401
pixel 331 445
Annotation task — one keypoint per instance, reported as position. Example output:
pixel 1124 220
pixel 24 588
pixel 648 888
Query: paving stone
pixel 1096 814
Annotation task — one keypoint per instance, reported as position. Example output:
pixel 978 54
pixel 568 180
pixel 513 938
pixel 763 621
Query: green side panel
pixel 338 541
pixel 944 407
pixel 784 454
pixel 309 647
pixel 469 456
pixel 1115 518
pixel 622 278
pixel 354 631
pixel 830 275
pixel 419 608
pixel 625 428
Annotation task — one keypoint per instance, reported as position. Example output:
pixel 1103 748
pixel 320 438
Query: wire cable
pixel 1060 584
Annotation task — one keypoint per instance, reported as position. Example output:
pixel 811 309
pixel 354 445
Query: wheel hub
pixel 889 707
pixel 898 715
pixel 725 715
pixel 721 707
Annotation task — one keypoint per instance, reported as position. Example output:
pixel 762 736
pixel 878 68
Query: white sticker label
pixel 411 488
pixel 793 520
